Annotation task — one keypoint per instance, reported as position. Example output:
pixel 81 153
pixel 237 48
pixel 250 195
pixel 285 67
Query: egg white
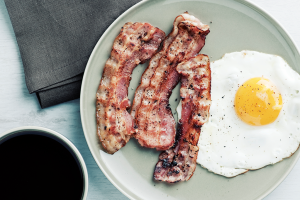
pixel 227 145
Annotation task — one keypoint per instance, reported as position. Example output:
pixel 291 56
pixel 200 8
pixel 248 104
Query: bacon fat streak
pixel 154 122
pixel 179 162
pixel 135 44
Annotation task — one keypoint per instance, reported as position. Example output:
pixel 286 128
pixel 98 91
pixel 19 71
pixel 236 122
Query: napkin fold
pixel 56 38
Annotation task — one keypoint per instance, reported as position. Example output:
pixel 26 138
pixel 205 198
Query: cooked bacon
pixel 154 122
pixel 135 44
pixel 179 162
pixel 148 73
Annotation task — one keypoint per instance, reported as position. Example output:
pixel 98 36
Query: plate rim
pixel 247 3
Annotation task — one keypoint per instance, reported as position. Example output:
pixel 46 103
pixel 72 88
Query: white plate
pixel 235 26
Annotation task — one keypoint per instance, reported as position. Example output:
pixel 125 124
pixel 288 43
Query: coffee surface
pixel 38 167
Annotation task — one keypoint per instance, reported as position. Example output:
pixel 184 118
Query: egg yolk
pixel 258 102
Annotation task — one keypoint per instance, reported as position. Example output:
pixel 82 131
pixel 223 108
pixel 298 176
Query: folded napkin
pixel 56 38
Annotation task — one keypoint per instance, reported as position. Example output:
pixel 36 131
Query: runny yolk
pixel 258 102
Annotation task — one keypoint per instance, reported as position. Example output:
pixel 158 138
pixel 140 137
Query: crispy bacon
pixel 135 44
pixel 179 162
pixel 154 122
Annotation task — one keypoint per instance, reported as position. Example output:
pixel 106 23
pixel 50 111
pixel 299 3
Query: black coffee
pixel 33 166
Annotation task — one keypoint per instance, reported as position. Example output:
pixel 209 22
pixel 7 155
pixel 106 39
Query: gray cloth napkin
pixel 56 38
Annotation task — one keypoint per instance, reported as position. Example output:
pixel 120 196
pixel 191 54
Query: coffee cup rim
pixel 62 139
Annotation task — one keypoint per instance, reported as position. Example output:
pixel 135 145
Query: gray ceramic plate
pixel 235 26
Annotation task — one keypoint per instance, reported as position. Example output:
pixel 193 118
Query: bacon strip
pixel 179 162
pixel 148 73
pixel 135 44
pixel 154 122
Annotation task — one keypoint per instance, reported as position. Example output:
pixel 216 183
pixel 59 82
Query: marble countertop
pixel 19 108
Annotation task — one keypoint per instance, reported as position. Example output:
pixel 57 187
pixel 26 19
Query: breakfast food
pixel 148 73
pixel 136 43
pixel 154 122
pixel 179 162
pixel 255 114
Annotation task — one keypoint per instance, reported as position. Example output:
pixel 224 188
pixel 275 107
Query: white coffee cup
pixel 58 137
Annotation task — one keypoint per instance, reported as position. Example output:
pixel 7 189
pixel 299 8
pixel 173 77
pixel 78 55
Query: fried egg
pixel 254 115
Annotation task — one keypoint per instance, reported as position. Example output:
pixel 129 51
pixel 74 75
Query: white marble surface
pixel 19 108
